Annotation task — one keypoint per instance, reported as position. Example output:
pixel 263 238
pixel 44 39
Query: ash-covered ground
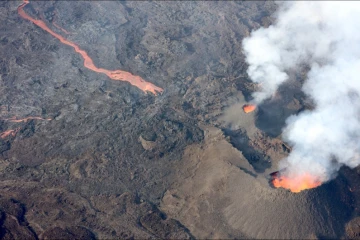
pixel 113 162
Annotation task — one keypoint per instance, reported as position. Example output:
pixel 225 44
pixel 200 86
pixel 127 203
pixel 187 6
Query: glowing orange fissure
pixel 119 75
pixel 248 108
pixel 296 183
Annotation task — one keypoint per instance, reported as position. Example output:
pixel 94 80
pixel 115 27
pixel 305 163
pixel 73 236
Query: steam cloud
pixel 325 36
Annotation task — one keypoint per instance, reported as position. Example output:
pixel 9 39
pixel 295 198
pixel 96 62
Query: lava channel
pixel 9 133
pixel 119 75
pixel 14 119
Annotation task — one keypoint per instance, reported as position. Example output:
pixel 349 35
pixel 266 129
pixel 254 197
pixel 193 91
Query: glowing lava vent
pixel 296 183
pixel 248 108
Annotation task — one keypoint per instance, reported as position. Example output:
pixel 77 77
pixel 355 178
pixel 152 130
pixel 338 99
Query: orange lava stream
pixel 14 119
pixel 296 184
pixel 248 108
pixel 58 27
pixel 9 133
pixel 88 62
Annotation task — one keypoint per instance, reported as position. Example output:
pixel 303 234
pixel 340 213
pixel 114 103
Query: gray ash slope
pixel 106 165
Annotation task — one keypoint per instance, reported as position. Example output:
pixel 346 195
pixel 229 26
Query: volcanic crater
pixel 125 120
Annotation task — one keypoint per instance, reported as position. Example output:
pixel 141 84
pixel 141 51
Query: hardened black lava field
pixel 83 156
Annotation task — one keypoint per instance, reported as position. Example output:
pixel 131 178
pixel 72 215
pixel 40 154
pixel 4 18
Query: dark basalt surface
pixel 102 166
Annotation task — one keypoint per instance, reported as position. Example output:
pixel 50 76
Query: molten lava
pixel 14 119
pixel 248 108
pixel 9 133
pixel 88 62
pixel 295 184
pixel 57 26
pixel 60 28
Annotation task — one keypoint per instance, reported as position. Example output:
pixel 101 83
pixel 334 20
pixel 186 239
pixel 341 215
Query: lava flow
pixel 9 133
pixel 57 26
pixel 248 108
pixel 14 119
pixel 295 184
pixel 88 62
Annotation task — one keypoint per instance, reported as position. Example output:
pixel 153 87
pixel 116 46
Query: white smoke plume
pixel 326 37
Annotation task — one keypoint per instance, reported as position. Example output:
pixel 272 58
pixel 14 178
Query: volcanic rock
pixel 217 184
pixel 69 233
pixel 13 223
pixel 116 163
pixel 147 145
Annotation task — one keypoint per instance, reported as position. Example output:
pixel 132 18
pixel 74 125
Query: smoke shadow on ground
pixel 335 202
pixel 239 140
pixel 272 113
pixel 247 87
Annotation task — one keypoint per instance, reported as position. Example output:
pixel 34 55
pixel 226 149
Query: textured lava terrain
pixel 107 160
